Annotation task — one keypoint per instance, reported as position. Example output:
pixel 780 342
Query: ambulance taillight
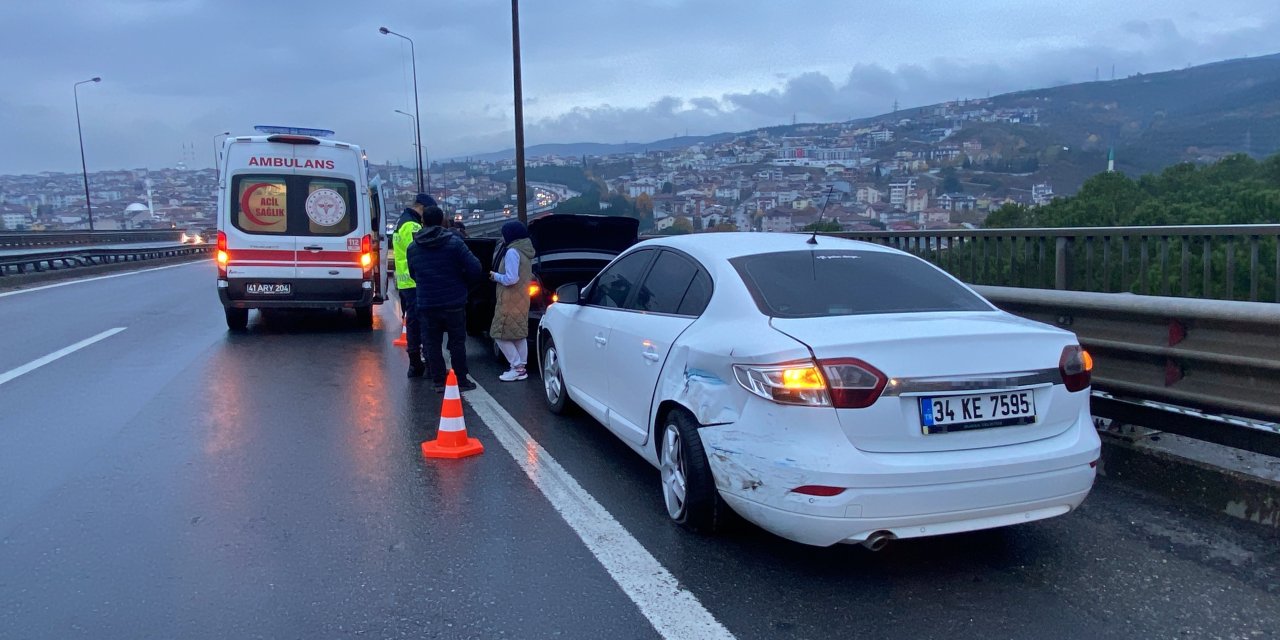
pixel 366 252
pixel 222 256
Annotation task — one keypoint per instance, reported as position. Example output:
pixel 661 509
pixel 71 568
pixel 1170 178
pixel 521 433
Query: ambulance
pixel 299 225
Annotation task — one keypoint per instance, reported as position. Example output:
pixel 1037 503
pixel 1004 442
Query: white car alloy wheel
pixel 674 483
pixel 688 488
pixel 556 395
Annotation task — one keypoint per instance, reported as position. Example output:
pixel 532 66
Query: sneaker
pixel 515 374
pixel 466 384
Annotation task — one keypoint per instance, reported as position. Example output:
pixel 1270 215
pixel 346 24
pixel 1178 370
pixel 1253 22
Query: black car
pixel 569 248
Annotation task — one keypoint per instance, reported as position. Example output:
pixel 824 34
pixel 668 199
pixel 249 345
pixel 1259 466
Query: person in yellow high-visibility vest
pixel 410 222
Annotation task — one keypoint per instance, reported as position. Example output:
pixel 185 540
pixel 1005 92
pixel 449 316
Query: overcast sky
pixel 177 72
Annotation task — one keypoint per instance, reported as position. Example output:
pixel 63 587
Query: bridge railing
pixel 1220 359
pixel 54 259
pixel 1225 262
pixel 23 239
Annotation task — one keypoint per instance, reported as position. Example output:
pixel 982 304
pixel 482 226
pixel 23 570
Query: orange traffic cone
pixel 451 440
pixel 403 340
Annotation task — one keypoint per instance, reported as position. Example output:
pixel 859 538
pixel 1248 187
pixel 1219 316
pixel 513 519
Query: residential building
pixel 899 190
pixel 917 200
pixel 868 195
pixel 1041 194
pixel 957 202
pixel 777 220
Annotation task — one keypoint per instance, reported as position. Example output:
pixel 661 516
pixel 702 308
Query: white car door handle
pixel 650 356
pixel 600 340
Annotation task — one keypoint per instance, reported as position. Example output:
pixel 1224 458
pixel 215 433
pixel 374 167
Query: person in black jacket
pixel 444 269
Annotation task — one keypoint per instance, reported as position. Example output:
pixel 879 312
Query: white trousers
pixel 515 351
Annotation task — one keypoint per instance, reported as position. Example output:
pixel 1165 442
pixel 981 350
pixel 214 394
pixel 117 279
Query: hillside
pixel 572 149
pixel 1198 114
pixel 1194 114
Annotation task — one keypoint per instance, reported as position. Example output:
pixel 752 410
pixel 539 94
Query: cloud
pixel 871 89
pixel 175 72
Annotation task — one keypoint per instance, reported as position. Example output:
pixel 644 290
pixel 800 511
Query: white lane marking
pixel 40 362
pixel 83 280
pixel 674 612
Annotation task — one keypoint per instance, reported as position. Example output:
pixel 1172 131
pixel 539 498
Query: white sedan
pixel 837 392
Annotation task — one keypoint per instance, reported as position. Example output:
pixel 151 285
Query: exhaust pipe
pixel 878 540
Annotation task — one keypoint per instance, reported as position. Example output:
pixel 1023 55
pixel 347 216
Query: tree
pixel 951 181
pixel 667 187
pixel 620 205
pixel 724 227
pixel 588 202
pixel 644 210
pixel 1010 216
pixel 680 227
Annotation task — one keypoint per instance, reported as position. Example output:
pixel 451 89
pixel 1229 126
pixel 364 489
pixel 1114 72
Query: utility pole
pixel 522 197
pixel 84 170
pixel 417 118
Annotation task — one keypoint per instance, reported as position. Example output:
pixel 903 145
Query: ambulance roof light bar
pixel 292 131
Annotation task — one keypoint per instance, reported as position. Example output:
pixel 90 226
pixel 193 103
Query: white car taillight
pixel 1076 367
pixel 853 383
pixel 797 383
pixel 843 383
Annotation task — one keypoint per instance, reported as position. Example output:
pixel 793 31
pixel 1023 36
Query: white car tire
pixel 688 488
pixel 555 393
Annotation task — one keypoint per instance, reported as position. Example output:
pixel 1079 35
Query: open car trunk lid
pixel 561 232
pixel 575 247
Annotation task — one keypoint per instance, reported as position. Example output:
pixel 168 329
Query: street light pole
pixel 413 56
pixel 217 171
pixel 84 170
pixel 522 200
pixel 417 149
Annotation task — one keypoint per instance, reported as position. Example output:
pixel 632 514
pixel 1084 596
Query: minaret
pixel 1111 160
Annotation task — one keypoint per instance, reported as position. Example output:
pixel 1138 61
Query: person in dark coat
pixel 444 268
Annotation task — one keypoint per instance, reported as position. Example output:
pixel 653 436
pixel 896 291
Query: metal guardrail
pixel 1226 262
pixel 1218 357
pixel 66 238
pixel 47 260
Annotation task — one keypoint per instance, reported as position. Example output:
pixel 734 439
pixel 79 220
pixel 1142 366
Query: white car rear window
pixel 818 283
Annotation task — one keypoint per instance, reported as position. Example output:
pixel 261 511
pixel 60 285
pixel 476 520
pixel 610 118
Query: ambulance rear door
pixel 333 228
pixel 261 250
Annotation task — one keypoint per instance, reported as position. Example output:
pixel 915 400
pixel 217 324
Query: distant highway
pixel 546 198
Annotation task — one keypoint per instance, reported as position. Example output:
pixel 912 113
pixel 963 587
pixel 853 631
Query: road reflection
pixel 366 416
pixel 226 407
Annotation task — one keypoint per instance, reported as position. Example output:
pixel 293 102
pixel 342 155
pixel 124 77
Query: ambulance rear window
pixel 293 205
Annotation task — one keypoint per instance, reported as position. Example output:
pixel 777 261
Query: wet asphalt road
pixel 175 481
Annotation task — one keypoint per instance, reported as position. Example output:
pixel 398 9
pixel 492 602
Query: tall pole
pixel 84 170
pixel 217 171
pixel 417 122
pixel 522 199
pixel 418 150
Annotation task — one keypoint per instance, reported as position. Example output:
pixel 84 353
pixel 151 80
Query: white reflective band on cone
pixel 452 424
